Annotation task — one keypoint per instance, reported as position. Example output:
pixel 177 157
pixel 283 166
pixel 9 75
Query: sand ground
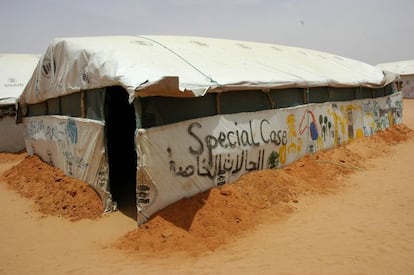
pixel 365 227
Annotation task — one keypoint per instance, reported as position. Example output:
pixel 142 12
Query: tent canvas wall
pixel 15 72
pixel 405 69
pixel 159 118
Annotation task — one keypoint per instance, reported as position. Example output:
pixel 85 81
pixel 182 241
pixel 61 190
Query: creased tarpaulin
pixel 404 67
pixel 15 72
pixel 74 145
pixel 187 66
pixel 185 158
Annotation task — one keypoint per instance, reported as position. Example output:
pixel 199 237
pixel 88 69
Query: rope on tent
pixel 269 98
pixel 182 58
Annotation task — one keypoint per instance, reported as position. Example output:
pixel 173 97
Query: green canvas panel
pixel 94 103
pixel 379 92
pixel 341 94
pixel 138 113
pixel 53 106
pixel 158 111
pixel 318 95
pixel 243 101
pixel 287 97
pixel 38 109
pixel 71 105
pixel 363 92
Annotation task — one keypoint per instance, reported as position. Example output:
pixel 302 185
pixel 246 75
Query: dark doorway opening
pixel 120 143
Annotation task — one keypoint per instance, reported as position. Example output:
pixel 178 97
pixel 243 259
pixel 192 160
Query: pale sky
pixel 372 31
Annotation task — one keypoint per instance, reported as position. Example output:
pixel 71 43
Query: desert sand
pixel 344 211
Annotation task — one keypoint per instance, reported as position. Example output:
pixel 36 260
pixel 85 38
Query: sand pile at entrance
pixel 216 217
pixel 53 192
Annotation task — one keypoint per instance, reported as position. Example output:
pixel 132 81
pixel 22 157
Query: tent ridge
pixel 182 58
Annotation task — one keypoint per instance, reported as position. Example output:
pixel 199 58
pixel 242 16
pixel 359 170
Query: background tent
pixel 15 72
pixel 405 69
pixel 148 120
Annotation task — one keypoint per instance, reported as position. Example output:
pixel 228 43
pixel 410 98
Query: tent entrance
pixel 120 134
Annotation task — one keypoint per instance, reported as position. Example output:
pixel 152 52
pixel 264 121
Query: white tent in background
pixel 15 72
pixel 405 69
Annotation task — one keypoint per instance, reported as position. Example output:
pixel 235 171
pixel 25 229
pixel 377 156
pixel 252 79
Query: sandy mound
pixel 213 218
pixel 11 158
pixel 53 192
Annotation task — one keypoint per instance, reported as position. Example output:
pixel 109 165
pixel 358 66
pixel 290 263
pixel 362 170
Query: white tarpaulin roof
pixel 15 72
pixel 170 65
pixel 405 67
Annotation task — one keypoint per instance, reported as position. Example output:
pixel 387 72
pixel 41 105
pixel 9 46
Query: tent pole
pixel 82 103
pixel 218 103
pixel 306 95
pixel 271 101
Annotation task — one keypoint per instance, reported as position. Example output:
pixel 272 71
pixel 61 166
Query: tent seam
pixel 182 58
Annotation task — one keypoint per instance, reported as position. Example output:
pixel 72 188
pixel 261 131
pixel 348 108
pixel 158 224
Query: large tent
pixel 153 119
pixel 15 72
pixel 405 69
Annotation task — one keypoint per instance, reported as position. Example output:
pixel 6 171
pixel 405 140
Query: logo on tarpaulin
pixel 12 82
pixel 48 65
pixel 84 77
pixel 145 190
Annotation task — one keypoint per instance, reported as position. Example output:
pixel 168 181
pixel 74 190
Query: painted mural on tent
pixel 185 158
pixel 189 157
pixel 74 145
